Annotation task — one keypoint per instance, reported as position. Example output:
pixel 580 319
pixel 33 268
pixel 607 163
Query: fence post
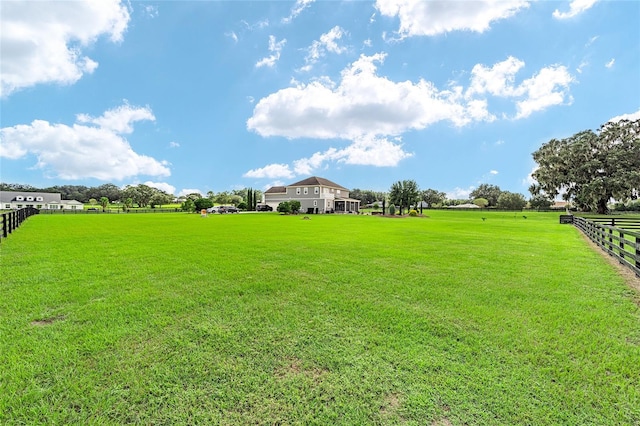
pixel 638 255
pixel 5 225
pixel 611 239
pixel 621 244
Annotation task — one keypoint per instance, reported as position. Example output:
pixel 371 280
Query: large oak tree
pixel 591 168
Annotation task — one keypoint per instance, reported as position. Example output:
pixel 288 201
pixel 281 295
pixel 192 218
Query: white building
pixel 12 200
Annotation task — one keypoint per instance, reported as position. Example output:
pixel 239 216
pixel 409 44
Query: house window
pixel 315 203
pixel 338 191
pixel 7 206
pixel 306 191
pixel 316 190
pixel 298 191
pixel 19 198
pixel 39 206
pixel 73 207
pixel 39 199
pixel 19 206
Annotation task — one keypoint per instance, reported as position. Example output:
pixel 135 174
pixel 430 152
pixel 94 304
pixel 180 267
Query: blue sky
pixel 217 95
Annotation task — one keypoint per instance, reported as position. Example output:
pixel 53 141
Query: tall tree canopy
pixel 433 197
pixel 590 168
pixel 487 191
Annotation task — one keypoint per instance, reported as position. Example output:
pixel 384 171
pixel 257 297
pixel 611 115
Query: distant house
pixel 464 206
pixel 12 200
pixel 316 195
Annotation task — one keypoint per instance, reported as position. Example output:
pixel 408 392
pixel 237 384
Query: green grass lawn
pixel 268 319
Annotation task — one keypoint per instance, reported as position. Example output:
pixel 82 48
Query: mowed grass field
pixel 347 320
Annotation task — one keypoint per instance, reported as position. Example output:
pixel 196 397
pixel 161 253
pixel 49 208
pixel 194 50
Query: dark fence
pixel 109 211
pixel 620 237
pixel 12 220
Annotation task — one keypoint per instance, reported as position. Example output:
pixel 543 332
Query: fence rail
pixel 618 237
pixel 110 211
pixel 12 220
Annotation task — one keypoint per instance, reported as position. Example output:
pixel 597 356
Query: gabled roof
pixel 314 180
pixel 276 190
pixel 47 197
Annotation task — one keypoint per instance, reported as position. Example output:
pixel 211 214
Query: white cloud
pixel 42 42
pixel 272 171
pixel 497 80
pixel 529 180
pixel 232 35
pixel 162 186
pixel 547 88
pixel 327 43
pixel 493 172
pixel 363 103
pixel 367 109
pixel 631 117
pixel 460 193
pixel 275 47
pixel 575 7
pixel 364 151
pixel 84 151
pixel 150 11
pixel 297 9
pixel 174 144
pixel 187 191
pixel 610 63
pixel 429 18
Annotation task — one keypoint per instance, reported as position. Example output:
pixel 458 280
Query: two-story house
pixel 316 195
pixel 12 200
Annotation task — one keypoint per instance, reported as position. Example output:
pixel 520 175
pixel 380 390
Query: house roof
pixel 47 197
pixel 314 180
pixel 276 190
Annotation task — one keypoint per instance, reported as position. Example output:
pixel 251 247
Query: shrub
pixel 392 209
pixel 284 207
pixel 413 213
pixel 295 206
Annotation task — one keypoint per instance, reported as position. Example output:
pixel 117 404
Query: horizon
pixel 216 96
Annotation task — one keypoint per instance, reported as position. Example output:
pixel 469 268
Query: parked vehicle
pixel 213 209
pixel 264 208
pixel 228 209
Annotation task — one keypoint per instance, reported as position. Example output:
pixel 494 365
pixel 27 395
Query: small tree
pixel 284 207
pixel 188 205
pixel 511 201
pixel 93 201
pixel 202 204
pixel 376 207
pixel 127 204
pixel 104 202
pixel 540 201
pixel 295 206
pixel 481 202
pixel 392 209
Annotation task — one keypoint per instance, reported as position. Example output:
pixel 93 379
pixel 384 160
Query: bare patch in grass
pixel 47 321
pixel 390 405
pixel 441 422
pixel 295 368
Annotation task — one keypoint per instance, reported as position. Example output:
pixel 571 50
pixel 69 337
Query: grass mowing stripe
pixel 261 318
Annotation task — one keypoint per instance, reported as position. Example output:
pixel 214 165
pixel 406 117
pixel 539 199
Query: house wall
pixel 323 200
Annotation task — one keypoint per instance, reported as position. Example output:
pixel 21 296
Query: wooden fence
pixel 109 211
pixel 12 220
pixel 620 237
